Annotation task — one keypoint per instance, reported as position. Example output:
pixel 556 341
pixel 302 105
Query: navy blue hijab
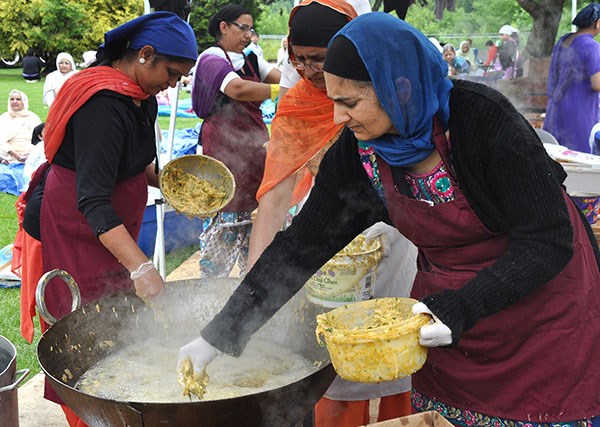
pixel 587 16
pixel 166 32
pixel 409 77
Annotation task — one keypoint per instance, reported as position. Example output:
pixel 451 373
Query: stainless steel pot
pixel 79 340
pixel 10 378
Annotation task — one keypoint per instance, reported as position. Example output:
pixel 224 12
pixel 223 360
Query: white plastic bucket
pixel 347 277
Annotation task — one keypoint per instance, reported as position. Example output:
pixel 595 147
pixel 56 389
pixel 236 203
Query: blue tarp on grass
pixel 12 179
pixel 185 141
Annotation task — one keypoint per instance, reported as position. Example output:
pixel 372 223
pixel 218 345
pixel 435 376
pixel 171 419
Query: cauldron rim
pixel 312 385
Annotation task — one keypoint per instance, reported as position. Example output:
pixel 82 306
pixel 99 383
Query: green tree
pixel 203 10
pixel 62 25
pixel 423 18
pixel 54 25
pixel 273 18
pixel 491 15
pixel 538 21
pixel 106 15
pixel 17 21
pixel 546 15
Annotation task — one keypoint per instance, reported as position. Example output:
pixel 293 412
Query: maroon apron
pixel 236 135
pixel 536 355
pixel 70 244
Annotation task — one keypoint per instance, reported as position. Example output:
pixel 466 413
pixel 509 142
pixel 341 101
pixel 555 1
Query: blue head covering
pixel 587 16
pixel 409 77
pixel 166 32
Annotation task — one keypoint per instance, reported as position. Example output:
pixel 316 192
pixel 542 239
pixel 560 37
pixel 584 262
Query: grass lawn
pixel 9 298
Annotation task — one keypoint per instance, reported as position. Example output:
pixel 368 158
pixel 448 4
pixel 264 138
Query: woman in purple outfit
pixel 574 82
pixel 229 88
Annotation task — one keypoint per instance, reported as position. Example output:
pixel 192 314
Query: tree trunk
pixel 546 16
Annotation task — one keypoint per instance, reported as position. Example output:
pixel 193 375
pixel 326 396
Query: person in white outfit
pixel 16 126
pixel 65 68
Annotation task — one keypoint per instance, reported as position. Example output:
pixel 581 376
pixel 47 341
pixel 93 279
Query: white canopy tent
pixel 573 14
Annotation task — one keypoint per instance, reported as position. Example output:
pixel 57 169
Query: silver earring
pixel 142 61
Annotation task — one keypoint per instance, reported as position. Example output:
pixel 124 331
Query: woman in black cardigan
pixel 507 267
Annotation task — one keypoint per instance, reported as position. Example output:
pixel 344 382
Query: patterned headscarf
pixel 409 78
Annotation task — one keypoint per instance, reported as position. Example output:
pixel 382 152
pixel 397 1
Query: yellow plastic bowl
pixel 205 168
pixel 375 340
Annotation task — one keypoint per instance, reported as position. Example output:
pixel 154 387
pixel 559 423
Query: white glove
pixel 200 352
pixel 435 334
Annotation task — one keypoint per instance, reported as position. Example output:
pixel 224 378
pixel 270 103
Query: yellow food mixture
pixel 192 384
pixel 189 194
pixel 375 340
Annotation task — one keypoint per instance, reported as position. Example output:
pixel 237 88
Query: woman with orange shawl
pixel 302 131
pixel 83 210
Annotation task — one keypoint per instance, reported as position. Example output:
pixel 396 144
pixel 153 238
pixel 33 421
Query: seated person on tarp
pixel 65 68
pixel 457 65
pixel 467 53
pixel 32 67
pixel 16 126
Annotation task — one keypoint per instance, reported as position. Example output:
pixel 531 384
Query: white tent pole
pixel 159 244
pixel 172 120
pixel 159 258
pixel 573 14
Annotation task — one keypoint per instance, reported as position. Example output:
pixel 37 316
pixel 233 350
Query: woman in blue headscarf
pixel 84 209
pixel 574 83
pixel 508 269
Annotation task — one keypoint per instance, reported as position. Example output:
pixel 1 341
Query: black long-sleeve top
pixel 107 140
pixel 32 66
pixel 506 176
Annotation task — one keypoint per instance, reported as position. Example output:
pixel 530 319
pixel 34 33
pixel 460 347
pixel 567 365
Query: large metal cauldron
pixel 9 380
pixel 79 340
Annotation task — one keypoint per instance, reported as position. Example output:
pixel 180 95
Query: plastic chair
pixel 546 137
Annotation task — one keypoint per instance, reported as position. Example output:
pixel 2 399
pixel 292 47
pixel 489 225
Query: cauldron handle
pixel 40 300
pixel 21 373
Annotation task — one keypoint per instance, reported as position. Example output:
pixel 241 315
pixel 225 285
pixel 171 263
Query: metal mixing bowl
pixel 203 167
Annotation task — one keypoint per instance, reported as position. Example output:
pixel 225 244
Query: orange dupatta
pixel 27 265
pixel 303 125
pixel 76 91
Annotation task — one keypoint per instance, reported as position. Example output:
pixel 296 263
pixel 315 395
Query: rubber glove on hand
pixel 147 282
pixel 200 352
pixel 435 334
